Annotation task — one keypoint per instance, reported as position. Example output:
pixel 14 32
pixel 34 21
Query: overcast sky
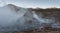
pixel 32 3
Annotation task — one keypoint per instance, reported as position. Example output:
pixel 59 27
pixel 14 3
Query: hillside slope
pixel 14 18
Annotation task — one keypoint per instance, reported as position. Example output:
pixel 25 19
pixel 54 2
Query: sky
pixel 32 3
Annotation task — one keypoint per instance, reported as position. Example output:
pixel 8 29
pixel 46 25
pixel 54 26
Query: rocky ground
pixel 49 12
pixel 30 20
pixel 45 30
pixel 46 14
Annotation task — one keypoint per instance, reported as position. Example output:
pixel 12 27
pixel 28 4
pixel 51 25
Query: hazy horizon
pixel 32 3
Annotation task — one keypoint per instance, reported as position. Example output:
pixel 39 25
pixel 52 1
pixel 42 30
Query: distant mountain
pixel 14 18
